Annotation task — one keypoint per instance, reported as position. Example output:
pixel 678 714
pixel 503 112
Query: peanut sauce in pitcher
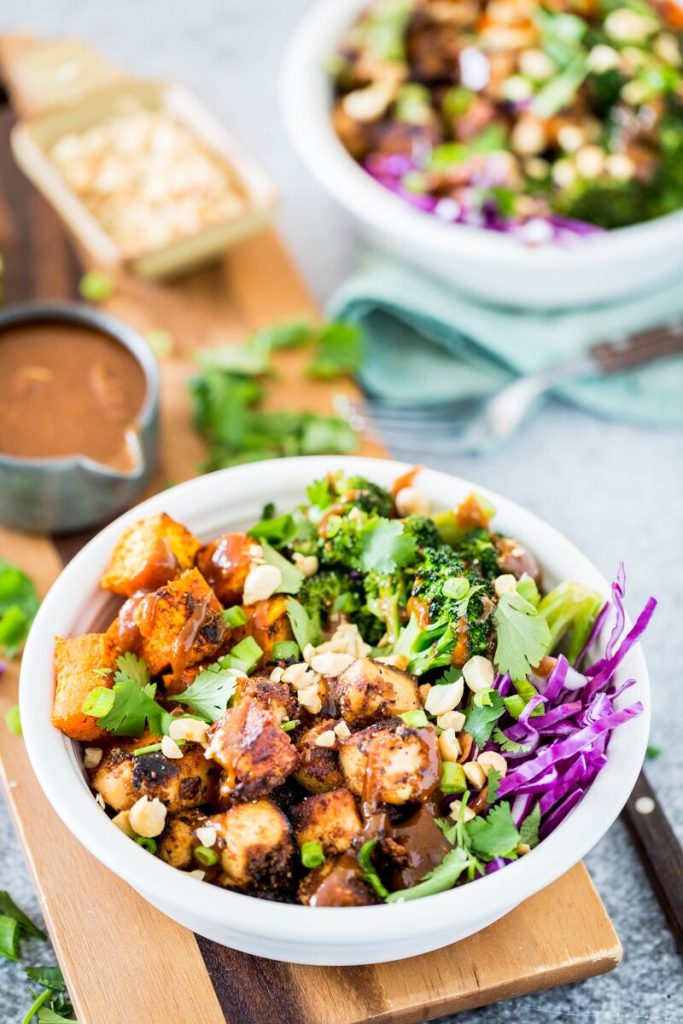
pixel 68 389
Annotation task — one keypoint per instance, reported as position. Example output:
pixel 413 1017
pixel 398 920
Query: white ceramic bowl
pixel 232 499
pixel 491 266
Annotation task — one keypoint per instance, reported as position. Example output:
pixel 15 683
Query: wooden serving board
pixel 124 961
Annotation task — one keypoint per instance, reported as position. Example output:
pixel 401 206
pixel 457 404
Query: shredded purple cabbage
pixel 563 749
pixel 389 170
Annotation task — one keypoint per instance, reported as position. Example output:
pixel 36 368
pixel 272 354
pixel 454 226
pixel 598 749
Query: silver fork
pixel 468 426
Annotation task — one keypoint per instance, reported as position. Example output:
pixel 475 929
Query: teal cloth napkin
pixel 426 343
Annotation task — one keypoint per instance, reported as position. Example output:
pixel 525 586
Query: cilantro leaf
pixel 133 706
pixel 385 546
pixel 523 636
pixel 46 1015
pixel 480 718
pixel 18 606
pixel 8 908
pixel 320 494
pixel 492 781
pixel 277 530
pixel 442 877
pixel 48 977
pixel 292 578
pixel 300 621
pixel 451 675
pixel 210 693
pixel 507 745
pixel 495 835
pixel 528 830
pixel 129 666
pixel 340 351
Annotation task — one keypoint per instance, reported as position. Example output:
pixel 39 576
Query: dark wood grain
pixel 660 852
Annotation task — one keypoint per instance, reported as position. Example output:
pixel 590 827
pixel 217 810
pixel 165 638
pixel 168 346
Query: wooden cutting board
pixel 124 961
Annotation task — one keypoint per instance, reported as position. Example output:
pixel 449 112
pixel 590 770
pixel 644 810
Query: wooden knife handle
pixel 659 851
pixel 638 349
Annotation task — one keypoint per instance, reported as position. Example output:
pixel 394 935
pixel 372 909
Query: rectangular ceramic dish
pixel 32 141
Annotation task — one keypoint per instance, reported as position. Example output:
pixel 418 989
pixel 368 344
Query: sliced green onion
pixel 13 720
pixel 96 286
pixel 99 702
pixel 453 778
pixel 206 856
pixel 153 748
pixel 245 655
pixel 312 855
pixel 415 719
pixel 160 342
pixel 147 844
pixel 235 616
pixel 289 724
pixel 285 650
pixel 456 587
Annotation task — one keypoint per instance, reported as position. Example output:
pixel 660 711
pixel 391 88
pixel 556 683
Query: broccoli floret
pixel 365 495
pixel 451 593
pixel 437 566
pixel 342 541
pixel 385 598
pixel 424 531
pixel 325 592
pixel 479 552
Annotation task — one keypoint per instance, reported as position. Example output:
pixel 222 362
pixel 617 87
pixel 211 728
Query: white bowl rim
pixel 52 755
pixel 303 84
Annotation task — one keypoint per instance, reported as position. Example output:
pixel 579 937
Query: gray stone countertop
pixel 614 490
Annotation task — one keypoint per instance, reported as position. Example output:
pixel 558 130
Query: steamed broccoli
pixel 325 592
pixel 450 593
pixel 424 531
pixel 479 552
pixel 385 598
pixel 352 491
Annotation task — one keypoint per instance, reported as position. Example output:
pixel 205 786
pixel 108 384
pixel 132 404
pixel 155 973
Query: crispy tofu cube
pixel 177 842
pixel 180 624
pixel 181 783
pixel 275 698
pixel 336 883
pixel 330 819
pixel 254 843
pixel 77 662
pixel 391 763
pixel 225 564
pixel 318 770
pixel 149 554
pixel 268 624
pixel 253 750
pixel 368 690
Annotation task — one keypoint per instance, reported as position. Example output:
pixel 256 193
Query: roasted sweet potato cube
pixel 253 750
pixel 268 624
pixel 318 770
pixel 150 553
pixel 254 843
pixel 225 564
pixel 368 690
pixel 77 661
pixel 182 783
pixel 391 763
pixel 180 624
pixel 336 883
pixel 331 819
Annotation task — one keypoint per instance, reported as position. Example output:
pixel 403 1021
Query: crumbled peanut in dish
pixel 148 179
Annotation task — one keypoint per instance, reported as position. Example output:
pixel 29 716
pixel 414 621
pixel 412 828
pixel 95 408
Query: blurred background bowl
pixel 493 267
